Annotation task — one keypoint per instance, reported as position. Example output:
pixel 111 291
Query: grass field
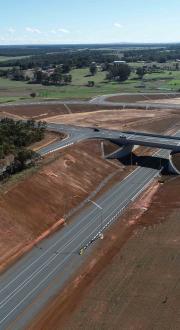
pixel 16 90
pixel 7 58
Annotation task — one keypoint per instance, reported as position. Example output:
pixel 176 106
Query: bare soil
pixel 49 138
pixel 169 101
pixel 176 160
pixel 132 281
pixel 122 119
pixel 143 97
pixel 40 112
pixel 30 206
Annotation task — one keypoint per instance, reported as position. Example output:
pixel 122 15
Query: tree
pixel 38 76
pixel 177 66
pixel 17 74
pixel 65 68
pixel 91 83
pixel 33 95
pixel 105 66
pixel 119 72
pixel 93 69
pixel 140 72
pixel 56 77
pixel 67 78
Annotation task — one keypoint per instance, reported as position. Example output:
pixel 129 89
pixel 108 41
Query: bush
pixel 33 95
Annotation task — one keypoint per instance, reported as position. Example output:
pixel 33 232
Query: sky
pixel 88 21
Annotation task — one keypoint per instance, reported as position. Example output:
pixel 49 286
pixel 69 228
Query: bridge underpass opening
pixel 125 154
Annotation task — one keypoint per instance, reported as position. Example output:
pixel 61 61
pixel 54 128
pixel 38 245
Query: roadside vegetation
pixel 15 138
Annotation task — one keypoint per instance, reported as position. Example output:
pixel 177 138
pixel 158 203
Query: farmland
pixel 17 90
pixel 161 72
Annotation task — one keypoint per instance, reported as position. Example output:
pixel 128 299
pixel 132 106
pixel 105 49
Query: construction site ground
pixel 31 203
pixel 131 282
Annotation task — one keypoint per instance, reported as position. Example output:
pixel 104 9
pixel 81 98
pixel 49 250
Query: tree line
pixel 76 59
pixel 15 137
pixel 152 55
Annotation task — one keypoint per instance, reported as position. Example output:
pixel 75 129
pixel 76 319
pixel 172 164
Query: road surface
pixel 76 134
pixel 102 100
pixel 28 285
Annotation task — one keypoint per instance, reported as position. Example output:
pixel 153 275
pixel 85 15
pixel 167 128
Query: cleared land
pixel 122 119
pixel 109 290
pixel 132 282
pixel 161 98
pixel 39 112
pixel 96 115
pixel 31 204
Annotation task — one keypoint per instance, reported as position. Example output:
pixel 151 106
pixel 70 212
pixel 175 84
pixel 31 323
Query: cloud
pixel 118 25
pixel 11 30
pixel 63 30
pixel 33 30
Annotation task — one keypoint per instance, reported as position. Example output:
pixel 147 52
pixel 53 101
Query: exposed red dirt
pixel 49 138
pixel 142 97
pixel 23 216
pixel 30 206
pixel 131 282
pixel 176 160
pixel 48 110
pixel 122 119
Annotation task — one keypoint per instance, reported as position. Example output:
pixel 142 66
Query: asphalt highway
pixel 29 284
pixel 76 134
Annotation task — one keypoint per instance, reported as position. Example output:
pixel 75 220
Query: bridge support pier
pixel 121 152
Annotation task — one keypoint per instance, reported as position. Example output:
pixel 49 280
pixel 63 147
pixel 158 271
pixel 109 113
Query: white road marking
pixel 36 287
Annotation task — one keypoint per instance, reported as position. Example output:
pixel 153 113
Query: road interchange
pixel 27 286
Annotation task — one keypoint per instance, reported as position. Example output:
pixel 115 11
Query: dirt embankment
pixel 42 111
pixel 31 206
pixel 122 119
pixel 96 115
pixel 132 281
pixel 49 138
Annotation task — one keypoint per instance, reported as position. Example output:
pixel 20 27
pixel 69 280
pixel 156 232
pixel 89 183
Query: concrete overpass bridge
pixel 124 141
pixel 128 140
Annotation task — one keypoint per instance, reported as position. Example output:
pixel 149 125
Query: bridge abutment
pixel 121 152
pixel 174 163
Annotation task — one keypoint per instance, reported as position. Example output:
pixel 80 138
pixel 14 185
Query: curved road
pixel 77 134
pixel 29 284
pixel 102 100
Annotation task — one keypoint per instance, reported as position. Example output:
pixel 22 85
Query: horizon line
pixel 96 43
